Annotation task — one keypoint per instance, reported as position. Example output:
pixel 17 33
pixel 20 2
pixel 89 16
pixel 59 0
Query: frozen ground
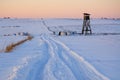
pixel 51 57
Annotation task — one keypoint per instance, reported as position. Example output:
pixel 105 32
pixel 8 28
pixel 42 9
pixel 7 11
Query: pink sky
pixel 59 8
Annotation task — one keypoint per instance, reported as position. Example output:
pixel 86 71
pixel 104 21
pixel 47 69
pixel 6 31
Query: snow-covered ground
pixel 103 52
pixel 52 57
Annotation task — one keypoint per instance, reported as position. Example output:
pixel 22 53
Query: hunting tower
pixel 86 29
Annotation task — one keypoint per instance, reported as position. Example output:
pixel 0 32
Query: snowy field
pixel 53 57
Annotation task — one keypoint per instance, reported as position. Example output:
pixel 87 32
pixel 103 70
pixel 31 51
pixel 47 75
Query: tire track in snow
pixel 36 72
pixel 33 63
pixel 73 63
pixel 55 68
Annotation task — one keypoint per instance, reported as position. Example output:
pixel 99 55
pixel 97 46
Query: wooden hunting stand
pixel 86 29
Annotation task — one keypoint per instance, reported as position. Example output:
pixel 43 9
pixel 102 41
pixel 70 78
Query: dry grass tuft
pixel 10 47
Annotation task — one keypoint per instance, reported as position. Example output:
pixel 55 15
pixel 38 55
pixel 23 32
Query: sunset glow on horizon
pixel 59 8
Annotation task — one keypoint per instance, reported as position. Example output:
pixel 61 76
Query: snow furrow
pixel 75 64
